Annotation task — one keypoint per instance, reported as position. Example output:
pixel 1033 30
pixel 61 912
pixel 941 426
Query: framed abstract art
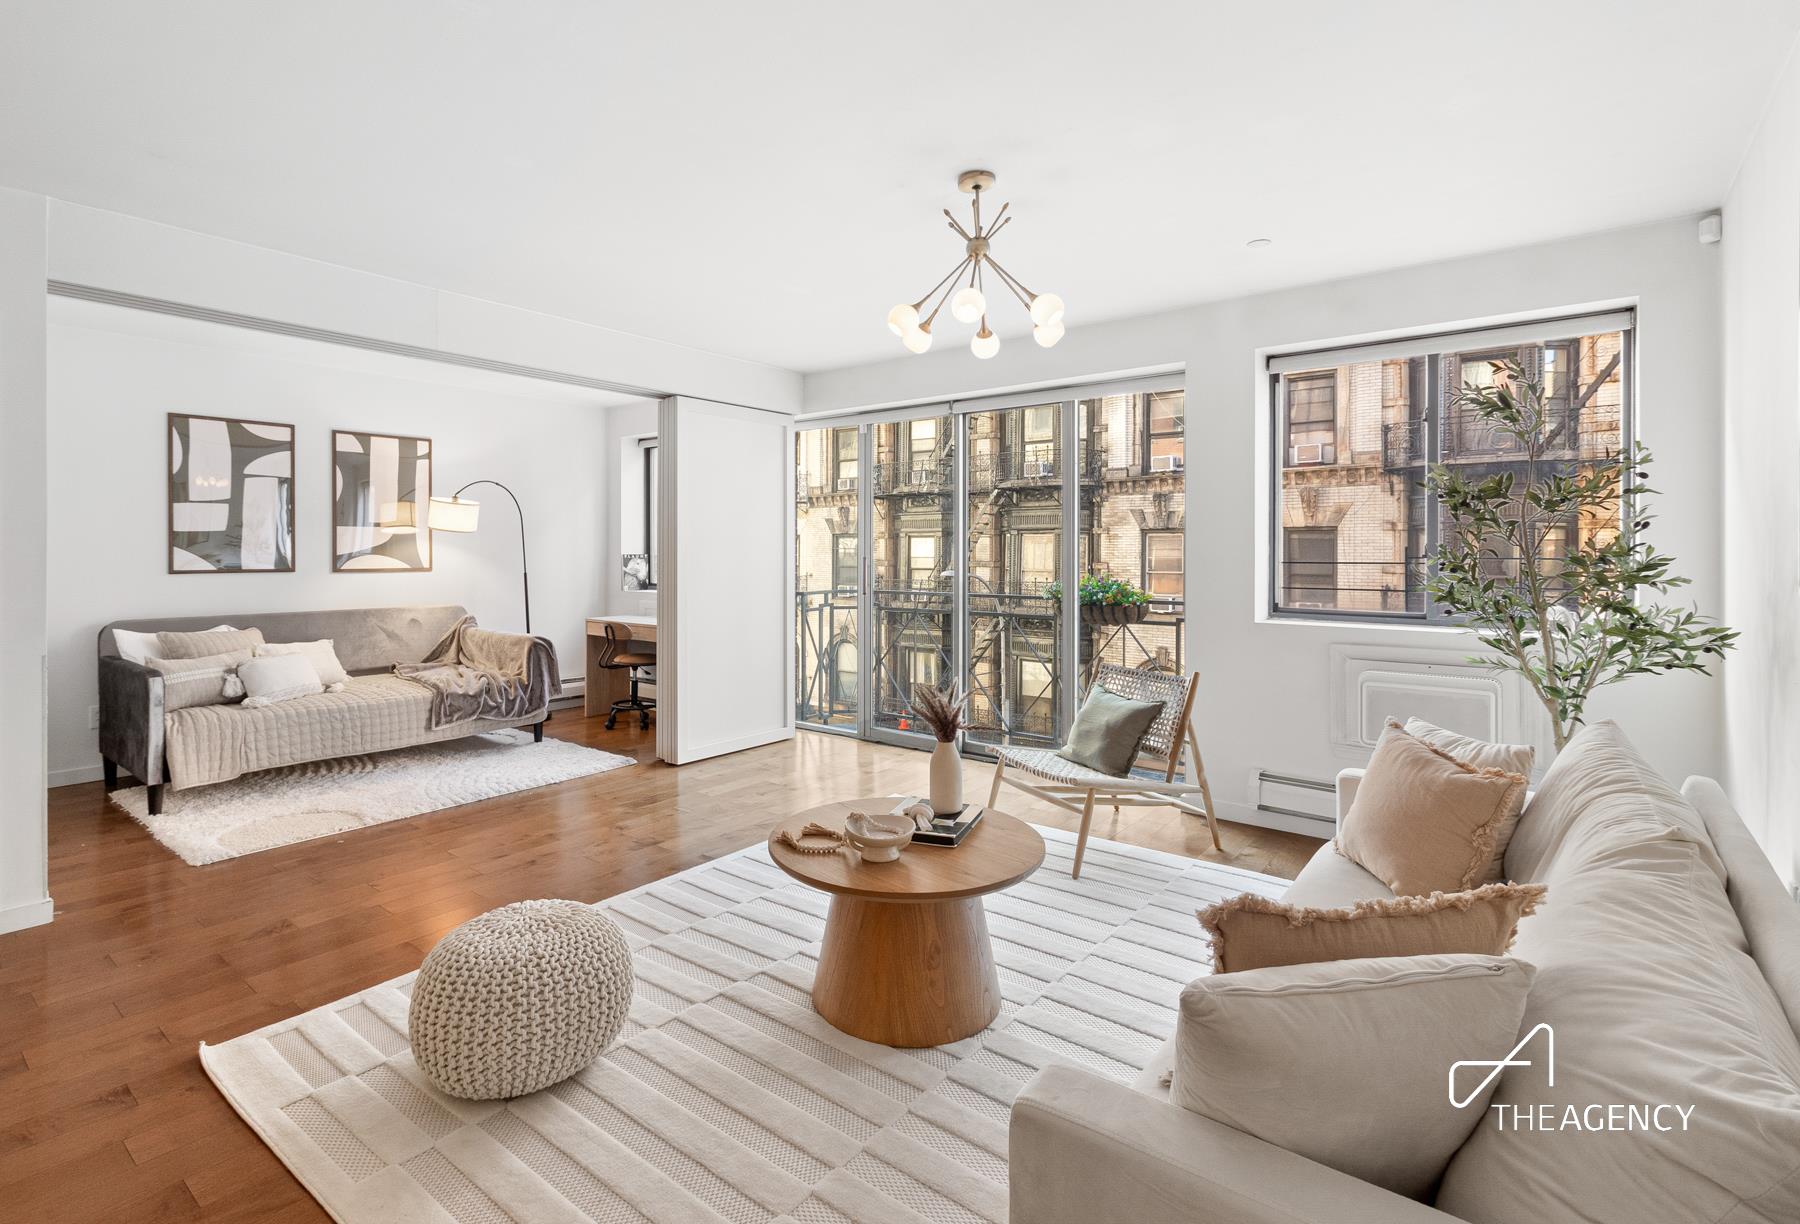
pixel 231 495
pixel 380 502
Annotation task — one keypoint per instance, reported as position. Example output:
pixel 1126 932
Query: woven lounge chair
pixel 1166 746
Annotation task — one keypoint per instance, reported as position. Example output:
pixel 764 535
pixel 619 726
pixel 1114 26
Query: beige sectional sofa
pixel 1668 965
pixel 377 711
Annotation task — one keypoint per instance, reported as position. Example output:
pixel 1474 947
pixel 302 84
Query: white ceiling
pixel 764 179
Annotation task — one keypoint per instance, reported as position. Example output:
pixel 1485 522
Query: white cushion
pixel 322 654
pixel 1645 978
pixel 137 647
pixel 278 678
pixel 1345 1062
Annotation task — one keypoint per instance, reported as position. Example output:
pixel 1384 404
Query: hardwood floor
pixel 105 1113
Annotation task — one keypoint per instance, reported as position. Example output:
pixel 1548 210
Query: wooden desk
pixel 607 685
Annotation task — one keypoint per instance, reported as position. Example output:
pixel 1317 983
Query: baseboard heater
pixel 1300 798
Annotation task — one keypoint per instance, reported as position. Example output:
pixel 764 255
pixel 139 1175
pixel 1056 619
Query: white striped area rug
pixel 727 1098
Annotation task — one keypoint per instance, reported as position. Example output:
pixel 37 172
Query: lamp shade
pixel 400 518
pixel 454 514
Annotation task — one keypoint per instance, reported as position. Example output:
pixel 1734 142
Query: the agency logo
pixel 1590 1116
pixel 1495 1067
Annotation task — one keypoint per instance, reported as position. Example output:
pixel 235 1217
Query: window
pixel 1163 563
pixel 1356 431
pixel 1037 561
pixel 1038 432
pixel 844 673
pixel 1164 419
pixel 921 559
pixel 1312 419
pixel 843 563
pixel 1309 578
pixel 843 443
pixel 921 439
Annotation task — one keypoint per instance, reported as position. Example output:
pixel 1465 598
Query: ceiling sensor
pixel 1258 243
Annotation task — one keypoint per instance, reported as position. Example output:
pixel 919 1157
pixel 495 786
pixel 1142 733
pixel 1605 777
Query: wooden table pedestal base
pixel 907 973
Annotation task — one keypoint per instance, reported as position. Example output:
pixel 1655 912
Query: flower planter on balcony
pixel 1114 614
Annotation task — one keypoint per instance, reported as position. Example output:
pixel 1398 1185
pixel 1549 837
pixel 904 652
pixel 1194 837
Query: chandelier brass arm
pixel 968 304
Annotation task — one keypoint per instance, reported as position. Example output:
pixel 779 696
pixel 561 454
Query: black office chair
pixel 617 655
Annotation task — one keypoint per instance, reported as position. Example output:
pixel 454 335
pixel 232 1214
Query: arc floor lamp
pixel 461 514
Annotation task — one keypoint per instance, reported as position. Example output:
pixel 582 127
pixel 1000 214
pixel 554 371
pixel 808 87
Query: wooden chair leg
pixel 1087 815
pixel 1212 821
pixel 994 794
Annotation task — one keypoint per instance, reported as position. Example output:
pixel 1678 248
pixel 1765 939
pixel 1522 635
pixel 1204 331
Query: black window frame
pixel 1327 450
pixel 1179 535
pixel 1151 433
pixel 1434 359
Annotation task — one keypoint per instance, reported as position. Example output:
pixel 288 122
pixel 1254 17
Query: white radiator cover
pixel 1371 684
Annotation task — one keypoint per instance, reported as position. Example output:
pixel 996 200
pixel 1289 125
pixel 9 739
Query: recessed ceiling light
pixel 1255 243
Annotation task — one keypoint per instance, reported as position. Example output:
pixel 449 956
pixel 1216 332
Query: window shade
pixel 1439 342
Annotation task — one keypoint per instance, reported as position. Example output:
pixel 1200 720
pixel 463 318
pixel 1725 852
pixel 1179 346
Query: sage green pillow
pixel 1108 730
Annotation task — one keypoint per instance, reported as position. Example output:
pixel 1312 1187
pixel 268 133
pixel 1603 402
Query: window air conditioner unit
pixel 1311 452
pixel 921 476
pixel 846 483
pixel 1165 463
pixel 1043 467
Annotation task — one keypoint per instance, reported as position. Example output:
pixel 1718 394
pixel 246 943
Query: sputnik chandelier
pixel 968 303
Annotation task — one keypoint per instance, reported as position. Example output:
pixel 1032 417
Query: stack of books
pixel 938 830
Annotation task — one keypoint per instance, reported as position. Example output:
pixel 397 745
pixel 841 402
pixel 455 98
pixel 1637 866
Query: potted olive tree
pixel 1568 616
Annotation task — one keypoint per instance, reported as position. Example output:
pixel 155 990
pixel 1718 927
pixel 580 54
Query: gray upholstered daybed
pixel 377 711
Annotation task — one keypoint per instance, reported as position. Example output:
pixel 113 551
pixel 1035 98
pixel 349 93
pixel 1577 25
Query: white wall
pixel 115 373
pixel 89 246
pixel 726 528
pixel 1761 252
pixel 24 882
pixel 624 426
pixel 1265 695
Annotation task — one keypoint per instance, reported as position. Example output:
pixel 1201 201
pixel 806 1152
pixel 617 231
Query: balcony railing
pixel 1038 463
pixel 1006 628
pixel 1464 437
pixel 1353 586
pixel 914 476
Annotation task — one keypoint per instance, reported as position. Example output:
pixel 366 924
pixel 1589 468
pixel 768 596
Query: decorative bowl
pixel 878 840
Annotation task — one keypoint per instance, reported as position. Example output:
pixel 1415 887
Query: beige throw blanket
pixel 475 673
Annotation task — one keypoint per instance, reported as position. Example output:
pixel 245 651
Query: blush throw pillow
pixel 1345 1063
pixel 277 678
pixel 322 654
pixel 1423 821
pixel 1107 731
pixel 1252 932
pixel 1482 754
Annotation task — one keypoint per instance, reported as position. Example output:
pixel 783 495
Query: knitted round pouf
pixel 519 998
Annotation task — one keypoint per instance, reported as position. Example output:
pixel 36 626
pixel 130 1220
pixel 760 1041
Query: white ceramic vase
pixel 946 779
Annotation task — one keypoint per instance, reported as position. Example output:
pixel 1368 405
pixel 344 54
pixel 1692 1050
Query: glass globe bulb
pixel 968 304
pixel 1047 335
pixel 917 340
pixel 1046 308
pixel 902 319
pixel 985 344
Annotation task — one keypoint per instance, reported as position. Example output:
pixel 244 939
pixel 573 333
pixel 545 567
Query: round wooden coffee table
pixel 906 959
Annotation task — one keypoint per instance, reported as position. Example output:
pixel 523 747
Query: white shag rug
pixel 727 1098
pixel 281 806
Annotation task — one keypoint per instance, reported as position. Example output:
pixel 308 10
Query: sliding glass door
pixel 912 541
pixel 1013 546
pixel 959 536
